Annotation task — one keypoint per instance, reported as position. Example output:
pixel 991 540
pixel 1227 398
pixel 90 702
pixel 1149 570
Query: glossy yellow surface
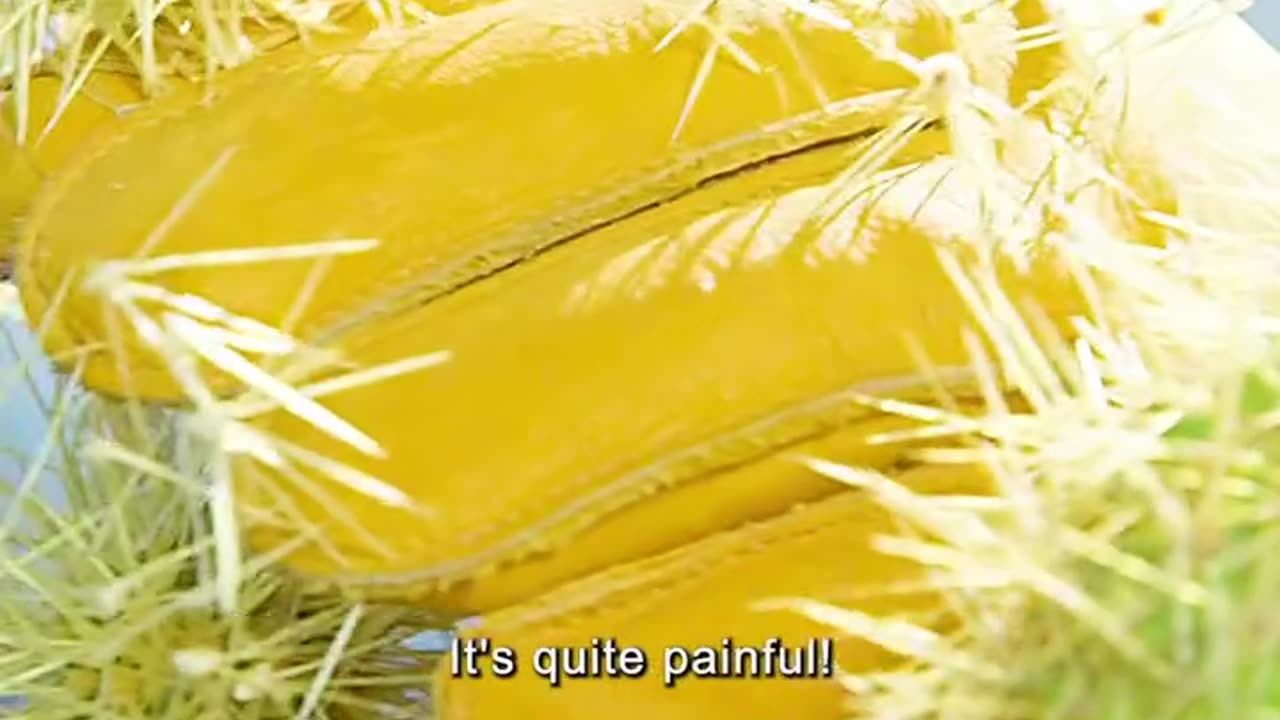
pixel 463 147
pixel 105 98
pixel 645 325
pixel 648 355
pixel 629 314
pixel 55 134
pixel 698 596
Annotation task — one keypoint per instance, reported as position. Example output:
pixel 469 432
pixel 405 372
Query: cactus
pixel 941 328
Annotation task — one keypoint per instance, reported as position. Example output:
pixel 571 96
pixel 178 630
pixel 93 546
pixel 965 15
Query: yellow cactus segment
pixel 681 282
pixel 64 118
pixel 102 101
pixel 452 7
pixel 614 341
pixel 642 287
pixel 700 595
pixel 463 147
pixel 665 520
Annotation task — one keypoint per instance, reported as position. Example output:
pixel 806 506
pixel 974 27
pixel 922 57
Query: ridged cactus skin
pixel 654 302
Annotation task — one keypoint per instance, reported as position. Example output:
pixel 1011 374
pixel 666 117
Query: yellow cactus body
pixel 651 304
pixel 102 101
pixel 662 384
pixel 464 147
pixel 699 596
pixel 678 308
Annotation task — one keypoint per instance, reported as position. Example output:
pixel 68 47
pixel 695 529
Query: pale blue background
pixel 22 421
pixel 1265 15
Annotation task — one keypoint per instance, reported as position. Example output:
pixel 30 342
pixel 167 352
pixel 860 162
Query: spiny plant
pixel 113 603
pixel 192 39
pixel 1119 570
pixel 1124 565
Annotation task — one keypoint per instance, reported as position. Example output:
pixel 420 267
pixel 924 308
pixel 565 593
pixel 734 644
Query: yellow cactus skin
pixel 701 594
pixel 98 108
pixel 609 420
pixel 643 331
pixel 512 159
pixel 516 160
pixel 103 100
pixel 688 511
pixel 572 108
pixel 662 384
